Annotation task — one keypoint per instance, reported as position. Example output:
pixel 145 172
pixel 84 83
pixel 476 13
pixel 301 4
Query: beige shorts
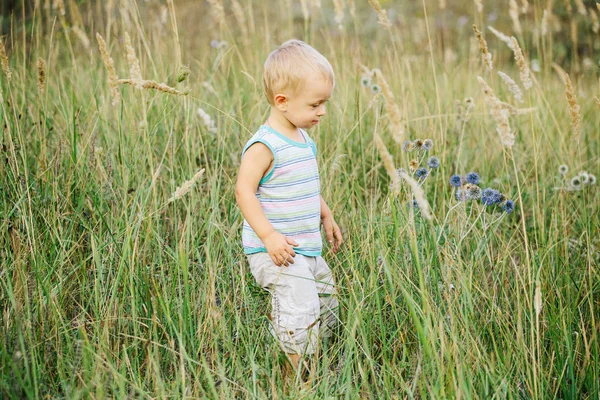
pixel 304 306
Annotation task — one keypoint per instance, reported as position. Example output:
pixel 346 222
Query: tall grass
pixel 111 290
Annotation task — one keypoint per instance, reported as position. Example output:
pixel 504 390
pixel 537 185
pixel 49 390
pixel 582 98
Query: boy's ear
pixel 280 100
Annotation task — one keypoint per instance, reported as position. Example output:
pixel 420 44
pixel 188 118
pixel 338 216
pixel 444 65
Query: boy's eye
pixel 314 105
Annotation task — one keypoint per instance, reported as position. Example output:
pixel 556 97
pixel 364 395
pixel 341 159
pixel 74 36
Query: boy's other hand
pixel 333 232
pixel 280 248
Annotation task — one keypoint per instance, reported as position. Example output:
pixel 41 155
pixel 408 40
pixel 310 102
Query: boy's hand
pixel 332 230
pixel 280 248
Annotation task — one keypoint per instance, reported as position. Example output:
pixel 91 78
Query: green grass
pixel 109 290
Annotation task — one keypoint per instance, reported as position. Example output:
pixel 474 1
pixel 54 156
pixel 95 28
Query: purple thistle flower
pixel 455 180
pixel 473 177
pixel 508 206
pixel 421 173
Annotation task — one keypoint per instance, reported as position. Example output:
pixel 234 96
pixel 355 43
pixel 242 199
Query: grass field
pixel 117 285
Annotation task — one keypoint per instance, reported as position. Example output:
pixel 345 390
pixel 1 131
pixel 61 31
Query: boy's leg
pixel 329 304
pixel 294 300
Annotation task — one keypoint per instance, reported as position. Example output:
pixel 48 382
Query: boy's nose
pixel 321 111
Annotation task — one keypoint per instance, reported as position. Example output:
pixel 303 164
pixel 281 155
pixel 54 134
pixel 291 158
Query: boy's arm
pixel 255 162
pixel 332 230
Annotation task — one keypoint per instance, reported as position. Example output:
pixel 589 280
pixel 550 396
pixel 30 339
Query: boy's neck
pixel 281 124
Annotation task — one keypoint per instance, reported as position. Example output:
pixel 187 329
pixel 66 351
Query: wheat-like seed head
pixel 391 107
pixel 388 163
pixel 595 24
pixel 60 6
pixel 505 38
pixel 513 11
pixel 186 186
pixel 149 84
pixel 523 67
pixel 512 86
pixel 113 79
pixel 41 65
pixel 4 60
pixel 479 6
pixel 485 54
pixel 419 195
pixel 597 101
pixel 568 6
pixel 135 72
pixel 500 114
pixel 574 108
pixel 382 17
pixel 537 299
pixel 544 26
pixel 581 7
pixel 217 10
pixel 524 6
pixel 240 17
pixel 442 4
pixel 338 6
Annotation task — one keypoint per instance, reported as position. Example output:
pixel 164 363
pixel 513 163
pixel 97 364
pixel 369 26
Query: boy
pixel 278 192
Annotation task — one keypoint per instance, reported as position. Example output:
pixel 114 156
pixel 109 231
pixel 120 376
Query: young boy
pixel 278 192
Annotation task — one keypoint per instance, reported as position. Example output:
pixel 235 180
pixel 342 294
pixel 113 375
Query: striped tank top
pixel 289 194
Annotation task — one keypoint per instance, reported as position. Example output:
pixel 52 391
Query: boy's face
pixel 305 108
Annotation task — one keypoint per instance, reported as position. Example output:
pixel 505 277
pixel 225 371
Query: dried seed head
pixel 523 67
pixel 41 65
pixel 240 17
pixel 485 54
pixel 60 6
pixel 391 107
pixel 419 195
pixel 149 84
pixel 512 86
pixel 581 7
pixel 505 38
pixel 113 79
pixel 217 11
pixel 135 72
pixel 479 6
pixel 338 6
pixel 595 24
pixel 186 186
pixel 4 61
pixel 381 14
pixel 513 11
pixel 597 101
pixel 388 163
pixel 574 108
pixel 500 114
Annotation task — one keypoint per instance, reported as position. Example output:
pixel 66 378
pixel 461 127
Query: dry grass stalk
pixel 388 163
pixel 537 299
pixel 60 6
pixel 505 38
pixel 544 27
pixel 4 60
pixel 135 72
pixel 568 6
pixel 419 195
pixel 81 35
pixel 113 79
pixel 41 65
pixel 598 5
pixel 581 7
pixel 500 114
pixel 485 54
pixel 149 84
pixel 381 14
pixel 512 86
pixel 523 67
pixel 217 11
pixel 574 108
pixel 479 6
pixel 240 17
pixel 595 24
pixel 338 6
pixel 513 11
pixel 391 107
pixel 186 186
pixel 561 72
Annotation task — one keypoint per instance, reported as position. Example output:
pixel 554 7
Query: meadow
pixel 122 270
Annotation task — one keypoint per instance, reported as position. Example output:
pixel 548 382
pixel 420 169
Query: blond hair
pixel 289 66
